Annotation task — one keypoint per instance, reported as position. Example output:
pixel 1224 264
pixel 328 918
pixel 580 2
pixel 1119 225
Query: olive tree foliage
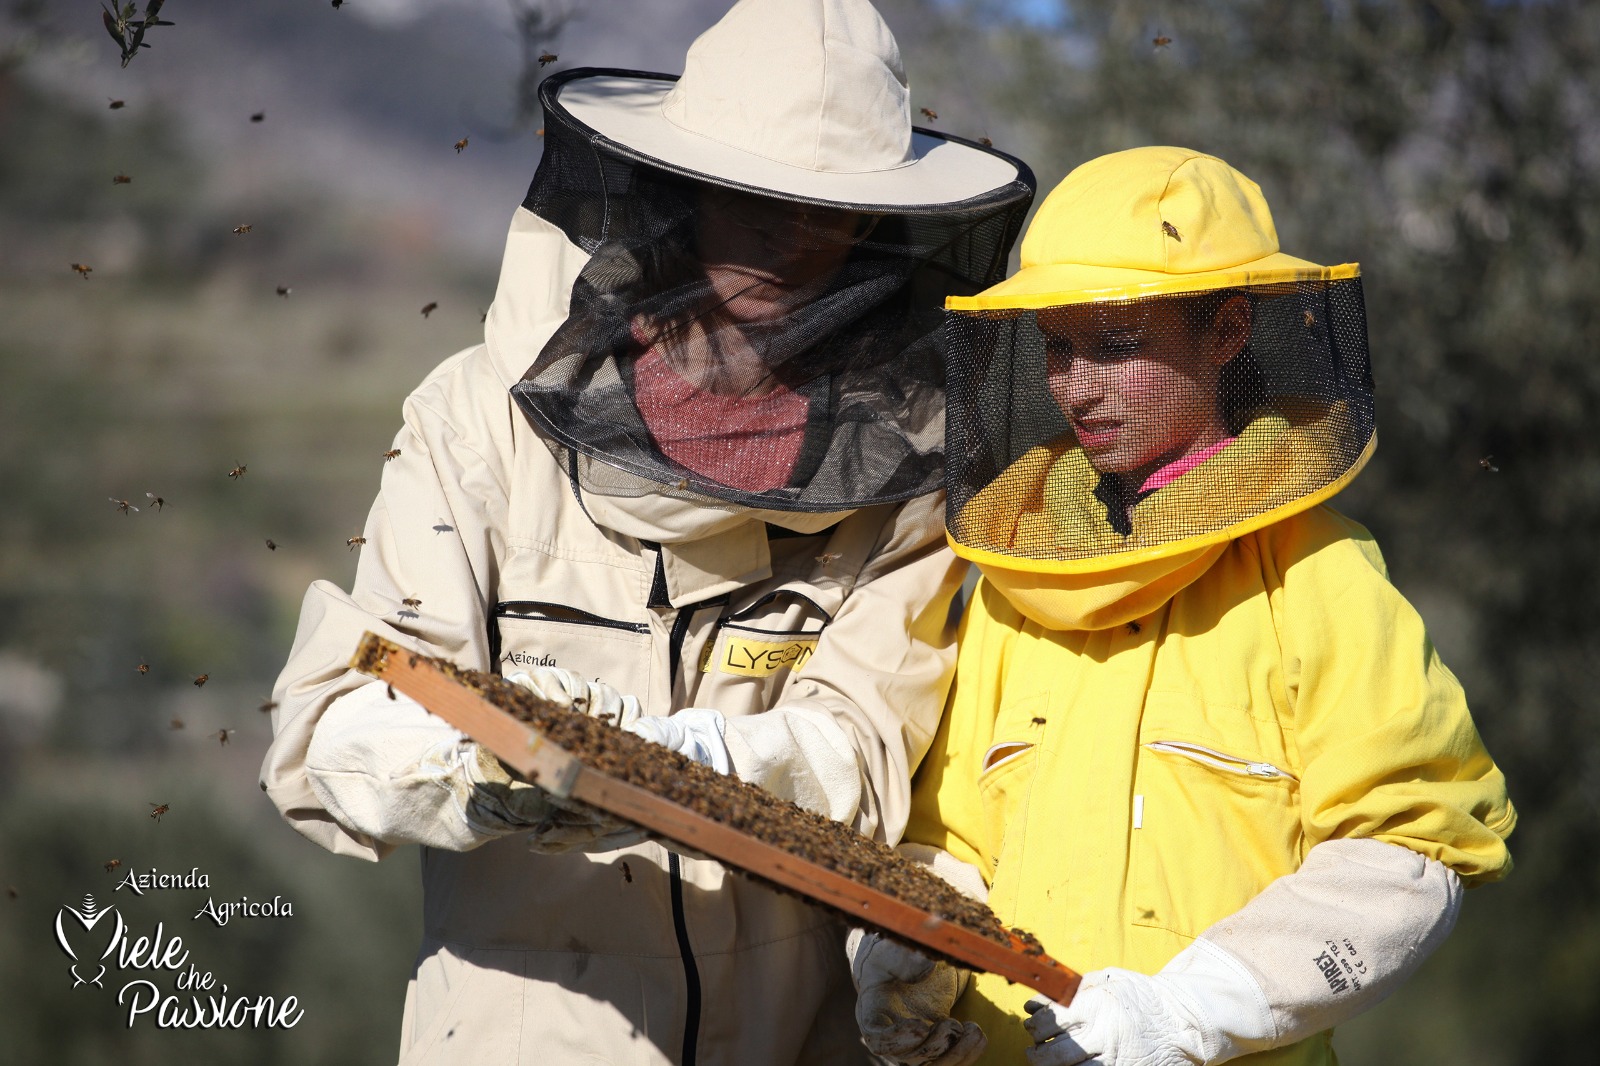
pixel 1453 149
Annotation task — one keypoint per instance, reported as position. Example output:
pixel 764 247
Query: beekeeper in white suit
pixel 697 462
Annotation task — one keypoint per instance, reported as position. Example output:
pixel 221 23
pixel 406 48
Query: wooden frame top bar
pixel 527 751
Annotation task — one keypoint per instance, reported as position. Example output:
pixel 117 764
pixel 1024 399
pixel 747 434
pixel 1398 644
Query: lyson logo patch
pixel 757 658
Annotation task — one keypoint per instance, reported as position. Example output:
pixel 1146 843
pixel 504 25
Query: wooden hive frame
pixel 525 750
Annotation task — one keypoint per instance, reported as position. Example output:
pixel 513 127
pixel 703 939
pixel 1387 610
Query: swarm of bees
pixel 429 308
pixel 158 809
pixel 83 270
pixel 1171 231
pixel 121 179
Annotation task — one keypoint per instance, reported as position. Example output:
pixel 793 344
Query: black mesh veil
pixel 730 344
pixel 1122 427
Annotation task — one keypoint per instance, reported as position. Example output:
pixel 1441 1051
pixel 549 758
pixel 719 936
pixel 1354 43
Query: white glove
pixel 1121 1018
pixel 498 805
pixel 904 998
pixel 570 690
pixel 903 1004
pixel 694 731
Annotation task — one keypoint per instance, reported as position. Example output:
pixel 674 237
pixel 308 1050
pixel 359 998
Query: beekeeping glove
pixel 904 998
pixel 569 690
pixel 1315 949
pixel 694 731
pixel 497 804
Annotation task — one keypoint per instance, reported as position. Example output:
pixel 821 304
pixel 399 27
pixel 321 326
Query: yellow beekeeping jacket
pixel 1149 777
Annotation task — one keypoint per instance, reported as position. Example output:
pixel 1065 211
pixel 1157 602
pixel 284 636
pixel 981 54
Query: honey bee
pixel 1161 42
pixel 284 291
pixel 1134 627
pixel 158 809
pixel 1309 319
pixel 627 874
pixel 390 693
pixel 682 484
pixel 11 890
pixel 930 114
pixel 546 58
pixel 222 736
pixel 392 453
pixel 1487 463
pixel 237 472
pixel 986 142
pixel 272 545
pixel 242 230
pixel 829 558
pixel 539 132
pixel 268 706
pixel 429 308
pixel 483 314
pixel 202 679
pixel 116 105
pixel 461 145
pixel 83 270
pixel 1171 231
pixel 143 667
pixel 155 501
pixel 1038 721
pixel 337 4
pixel 412 602
pixel 175 724
pixel 259 116
pixel 355 542
pixel 123 505
pixel 121 179
pixel 111 864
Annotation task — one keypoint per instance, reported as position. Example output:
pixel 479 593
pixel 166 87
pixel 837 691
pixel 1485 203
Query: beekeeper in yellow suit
pixel 1197 743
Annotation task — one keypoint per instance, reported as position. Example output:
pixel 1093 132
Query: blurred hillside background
pixel 1452 147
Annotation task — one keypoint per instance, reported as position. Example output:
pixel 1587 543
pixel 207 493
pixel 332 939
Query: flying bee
pixel 268 706
pixel 355 542
pixel 682 484
pixel 259 116
pixel 237 472
pixel 1171 231
pixel 429 308
pixel 123 505
pixel 539 132
pixel 392 453
pixel 627 874
pixel 337 4
pixel 412 602
pixel 175 724
pixel 829 558
pixel 121 179
pixel 1309 319
pixel 930 114
pixel 202 679
pixel 222 736
pixel 284 291
pixel 116 105
pixel 111 864
pixel 391 694
pixel 1134 627
pixel 272 545
pixel 158 809
pixel 546 58
pixel 155 501
pixel 1161 41
pixel 986 142
pixel 83 270
pixel 461 145
pixel 242 230
pixel 143 667
pixel 483 314
pixel 11 890
pixel 1038 721
pixel 1487 463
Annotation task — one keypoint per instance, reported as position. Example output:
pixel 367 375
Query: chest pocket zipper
pixel 543 611
pixel 1219 760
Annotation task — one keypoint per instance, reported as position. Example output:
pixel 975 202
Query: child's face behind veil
pixel 1138 381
